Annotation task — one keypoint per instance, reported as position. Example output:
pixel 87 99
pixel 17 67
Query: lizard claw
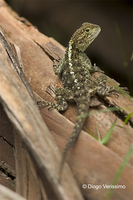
pixel 55 63
pixel 51 90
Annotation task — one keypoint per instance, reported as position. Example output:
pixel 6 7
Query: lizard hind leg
pixel 58 106
pixel 62 95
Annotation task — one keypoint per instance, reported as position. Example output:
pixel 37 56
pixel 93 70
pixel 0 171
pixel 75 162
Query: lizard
pixel 75 70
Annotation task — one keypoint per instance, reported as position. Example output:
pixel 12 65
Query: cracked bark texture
pixel 90 162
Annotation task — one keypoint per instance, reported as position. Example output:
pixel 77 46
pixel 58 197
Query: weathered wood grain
pixel 90 162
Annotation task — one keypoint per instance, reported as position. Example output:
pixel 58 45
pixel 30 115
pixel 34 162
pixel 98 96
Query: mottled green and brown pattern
pixel 75 71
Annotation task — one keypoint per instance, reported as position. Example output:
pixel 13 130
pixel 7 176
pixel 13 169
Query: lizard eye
pixel 87 30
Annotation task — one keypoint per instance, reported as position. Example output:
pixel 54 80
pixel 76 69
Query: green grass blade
pixel 90 133
pixel 99 138
pixel 127 118
pixel 125 161
pixel 131 57
pixel 107 136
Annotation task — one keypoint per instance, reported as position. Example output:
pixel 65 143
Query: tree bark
pixel 36 144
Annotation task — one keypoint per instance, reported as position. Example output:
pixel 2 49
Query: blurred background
pixel 112 50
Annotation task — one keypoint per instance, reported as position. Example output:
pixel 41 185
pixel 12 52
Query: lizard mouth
pixel 94 35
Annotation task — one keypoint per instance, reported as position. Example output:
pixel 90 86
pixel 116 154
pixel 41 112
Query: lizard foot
pixel 55 63
pixel 43 103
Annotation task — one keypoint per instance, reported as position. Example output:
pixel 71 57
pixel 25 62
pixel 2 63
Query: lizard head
pixel 85 35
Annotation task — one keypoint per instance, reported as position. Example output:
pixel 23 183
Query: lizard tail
pixel 77 129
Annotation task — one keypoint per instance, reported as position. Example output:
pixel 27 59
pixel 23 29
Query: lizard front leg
pixel 58 69
pixel 87 63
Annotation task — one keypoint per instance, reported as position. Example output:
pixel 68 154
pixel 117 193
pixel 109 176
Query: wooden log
pixel 37 156
pixel 7 194
pixel 90 162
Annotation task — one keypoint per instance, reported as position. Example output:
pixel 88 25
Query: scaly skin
pixel 75 71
